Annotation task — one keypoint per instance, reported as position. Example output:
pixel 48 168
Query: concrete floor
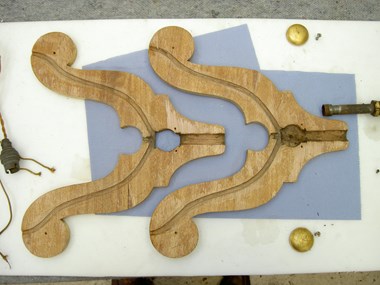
pixel 45 10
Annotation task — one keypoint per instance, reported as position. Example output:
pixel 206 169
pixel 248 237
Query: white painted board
pixel 52 128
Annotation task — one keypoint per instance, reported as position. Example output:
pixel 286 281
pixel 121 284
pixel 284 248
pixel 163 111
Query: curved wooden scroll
pixel 44 232
pixel 295 137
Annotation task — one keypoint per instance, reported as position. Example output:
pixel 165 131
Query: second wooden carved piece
pixel 295 137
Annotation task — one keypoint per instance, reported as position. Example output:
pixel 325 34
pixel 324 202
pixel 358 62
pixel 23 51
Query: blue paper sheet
pixel 328 186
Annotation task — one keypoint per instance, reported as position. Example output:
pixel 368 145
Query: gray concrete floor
pixel 44 10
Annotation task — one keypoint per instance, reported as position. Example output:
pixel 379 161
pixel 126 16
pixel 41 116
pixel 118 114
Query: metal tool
pixel 373 108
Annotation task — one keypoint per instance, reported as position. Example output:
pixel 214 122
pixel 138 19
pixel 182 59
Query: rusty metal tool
pixel 373 108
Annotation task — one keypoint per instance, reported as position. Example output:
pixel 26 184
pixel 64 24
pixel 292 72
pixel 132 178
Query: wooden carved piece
pixel 44 231
pixel 295 137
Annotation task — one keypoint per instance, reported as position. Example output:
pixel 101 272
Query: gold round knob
pixel 297 34
pixel 301 239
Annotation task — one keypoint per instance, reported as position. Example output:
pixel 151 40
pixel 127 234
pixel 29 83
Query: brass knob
pixel 297 34
pixel 301 239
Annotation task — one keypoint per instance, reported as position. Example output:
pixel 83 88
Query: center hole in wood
pixel 167 140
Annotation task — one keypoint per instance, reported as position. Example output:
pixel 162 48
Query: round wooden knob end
pixel 177 241
pixel 47 240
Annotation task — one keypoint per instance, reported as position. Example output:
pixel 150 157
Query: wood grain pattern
pixel 44 231
pixel 295 137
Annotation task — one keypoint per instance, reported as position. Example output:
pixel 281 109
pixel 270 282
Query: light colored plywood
pixel 44 230
pixel 295 137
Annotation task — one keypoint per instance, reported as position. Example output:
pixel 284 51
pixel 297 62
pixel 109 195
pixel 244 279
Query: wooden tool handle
pixel 44 230
pixel 295 137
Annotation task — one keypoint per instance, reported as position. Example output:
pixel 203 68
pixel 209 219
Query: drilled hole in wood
pixel 167 140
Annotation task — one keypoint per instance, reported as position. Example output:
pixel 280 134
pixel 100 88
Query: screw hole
pixel 54 52
pixel 45 233
pixel 175 233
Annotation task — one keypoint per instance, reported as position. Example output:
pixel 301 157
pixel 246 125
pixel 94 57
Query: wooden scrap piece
pixel 44 230
pixel 295 137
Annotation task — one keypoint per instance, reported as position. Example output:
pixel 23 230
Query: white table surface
pixel 52 128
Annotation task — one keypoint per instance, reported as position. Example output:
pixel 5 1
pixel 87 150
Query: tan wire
pixel 4 256
pixel 51 169
pixel 9 207
pixel 3 126
pixel 30 171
